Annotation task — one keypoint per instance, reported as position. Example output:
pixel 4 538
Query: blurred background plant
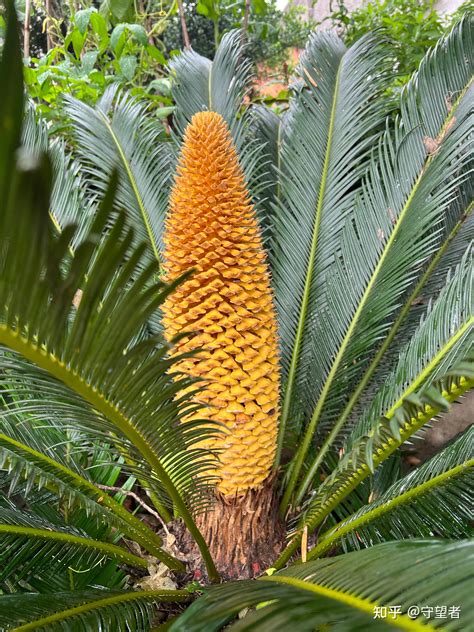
pixel 80 47
pixel 412 26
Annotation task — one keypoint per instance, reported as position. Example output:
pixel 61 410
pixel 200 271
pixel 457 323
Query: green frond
pixel 442 340
pixel 333 120
pixel 69 203
pixel 29 544
pixel 453 243
pixel 371 450
pixel 130 611
pixel 219 85
pixel 93 568
pixel 119 134
pixel 267 130
pixel 343 592
pixel 433 370
pixel 392 231
pixel 37 455
pixel 434 499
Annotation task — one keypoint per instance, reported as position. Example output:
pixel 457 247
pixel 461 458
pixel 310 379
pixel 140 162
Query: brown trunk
pixel 26 30
pixel 244 534
pixel 245 23
pixel 184 28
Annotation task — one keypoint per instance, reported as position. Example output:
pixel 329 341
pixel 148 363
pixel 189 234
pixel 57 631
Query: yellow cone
pixel 211 227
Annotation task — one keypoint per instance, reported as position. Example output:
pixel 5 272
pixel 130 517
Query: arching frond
pixel 442 340
pixel 38 456
pixel 434 499
pixel 392 230
pixel 121 611
pixel 434 369
pixel 344 592
pixel 119 134
pixel 219 85
pixel 333 121
pixel 69 203
pixel 29 545
pixel 268 130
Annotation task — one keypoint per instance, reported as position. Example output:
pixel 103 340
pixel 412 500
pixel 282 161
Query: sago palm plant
pixel 215 340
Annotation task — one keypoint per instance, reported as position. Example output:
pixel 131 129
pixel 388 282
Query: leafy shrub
pixel 413 26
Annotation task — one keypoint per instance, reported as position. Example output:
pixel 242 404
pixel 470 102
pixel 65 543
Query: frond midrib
pixel 133 184
pixel 138 530
pixel 359 603
pixel 328 538
pixel 108 549
pixel 382 453
pixel 387 341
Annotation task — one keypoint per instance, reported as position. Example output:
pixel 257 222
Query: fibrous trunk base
pixel 244 533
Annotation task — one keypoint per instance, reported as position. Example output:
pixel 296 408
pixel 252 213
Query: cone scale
pixel 211 227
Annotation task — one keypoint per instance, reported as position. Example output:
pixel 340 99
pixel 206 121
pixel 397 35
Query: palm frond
pixel 121 611
pixel 69 203
pixel 267 130
pixel 344 592
pixel 435 500
pixel 39 456
pixel 91 359
pixel 29 544
pixel 219 85
pixel 392 231
pixel 454 239
pixel 434 369
pixel 46 510
pixel 119 134
pixel 442 340
pixel 333 121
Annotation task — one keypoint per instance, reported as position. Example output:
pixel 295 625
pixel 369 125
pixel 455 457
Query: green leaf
pixel 88 60
pixel 82 19
pixel 161 86
pixel 28 545
pixel 117 38
pixel 119 134
pixel 443 340
pixel 155 53
pixel 139 33
pixel 162 113
pixel 99 26
pixel 334 120
pixel 343 592
pixel 119 8
pixel 89 610
pixel 433 499
pixel 26 449
pixel 392 231
pixel 128 65
pixel 77 41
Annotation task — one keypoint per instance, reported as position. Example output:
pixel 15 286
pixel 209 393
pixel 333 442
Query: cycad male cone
pixel 211 227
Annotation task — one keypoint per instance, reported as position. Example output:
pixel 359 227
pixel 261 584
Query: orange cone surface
pixel 211 227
